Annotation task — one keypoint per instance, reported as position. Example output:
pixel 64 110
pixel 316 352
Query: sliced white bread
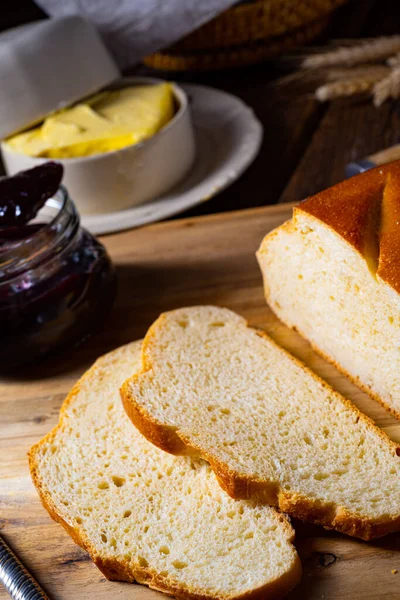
pixel 148 516
pixel 333 273
pixel 272 431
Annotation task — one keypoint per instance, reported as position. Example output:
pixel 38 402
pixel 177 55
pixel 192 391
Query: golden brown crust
pixel 161 436
pixel 365 211
pixel 389 248
pixel 243 486
pixel 123 570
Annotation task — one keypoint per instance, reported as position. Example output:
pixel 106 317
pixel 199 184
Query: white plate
pixel 228 138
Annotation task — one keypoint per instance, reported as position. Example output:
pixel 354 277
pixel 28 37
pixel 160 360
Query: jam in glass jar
pixel 57 283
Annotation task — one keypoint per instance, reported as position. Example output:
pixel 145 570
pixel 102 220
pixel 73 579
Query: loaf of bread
pixel 333 273
pixel 148 516
pixel 274 432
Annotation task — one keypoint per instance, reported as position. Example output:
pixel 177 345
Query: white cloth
pixel 132 29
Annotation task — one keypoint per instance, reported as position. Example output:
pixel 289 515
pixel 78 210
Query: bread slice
pixel 148 516
pixel 333 273
pixel 272 430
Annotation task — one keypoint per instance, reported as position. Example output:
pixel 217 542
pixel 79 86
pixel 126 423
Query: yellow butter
pixel 108 121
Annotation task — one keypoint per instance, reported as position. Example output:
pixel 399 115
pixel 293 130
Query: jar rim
pixel 48 239
pixel 65 197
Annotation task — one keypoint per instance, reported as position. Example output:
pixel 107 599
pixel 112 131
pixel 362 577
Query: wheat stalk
pixel 388 87
pixel 367 51
pixel 347 87
pixel 359 68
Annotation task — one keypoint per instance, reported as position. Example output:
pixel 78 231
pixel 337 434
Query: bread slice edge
pixel 242 486
pixel 118 570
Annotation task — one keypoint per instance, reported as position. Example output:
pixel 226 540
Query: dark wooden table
pixel 306 145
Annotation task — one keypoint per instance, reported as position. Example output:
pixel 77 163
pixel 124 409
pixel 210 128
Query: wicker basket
pixel 246 34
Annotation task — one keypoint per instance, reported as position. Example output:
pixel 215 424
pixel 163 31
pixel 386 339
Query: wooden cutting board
pixel 191 261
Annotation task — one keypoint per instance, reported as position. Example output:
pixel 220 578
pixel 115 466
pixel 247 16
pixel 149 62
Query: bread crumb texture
pixel 333 272
pixel 270 428
pixel 145 515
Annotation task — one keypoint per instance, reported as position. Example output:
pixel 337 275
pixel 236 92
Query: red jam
pixel 57 283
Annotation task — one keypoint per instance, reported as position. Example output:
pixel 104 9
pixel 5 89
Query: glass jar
pixel 57 283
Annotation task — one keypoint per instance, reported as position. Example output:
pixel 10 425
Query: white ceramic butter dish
pixel 228 138
pixel 113 181
pixel 54 63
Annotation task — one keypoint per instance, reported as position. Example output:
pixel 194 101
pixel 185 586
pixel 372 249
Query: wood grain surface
pixel 192 261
